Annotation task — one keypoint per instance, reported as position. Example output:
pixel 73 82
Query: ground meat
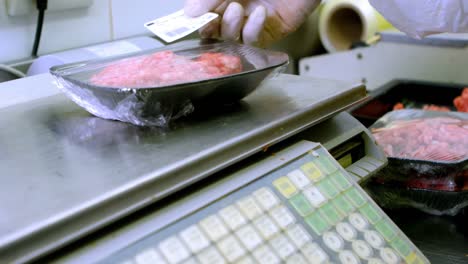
pixel 461 102
pixel 436 139
pixel 428 107
pixel 166 68
pixel 398 106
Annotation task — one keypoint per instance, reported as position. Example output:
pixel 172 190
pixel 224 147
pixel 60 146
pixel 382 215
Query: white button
pixel 348 257
pixel 282 246
pixel 249 207
pixel 375 261
pixel 266 226
pixel 282 216
pixel 264 255
pixel 232 217
pixel 299 179
pixel 363 249
pixel 191 260
pixel 314 196
pixel 210 256
pixel 333 241
pixel 374 239
pixel 149 256
pixel 266 198
pixel 245 260
pixel 358 221
pixel 314 254
pixel 213 227
pixel 298 235
pixel 173 249
pixel 296 259
pixel 249 237
pixel 231 248
pixel 194 239
pixel 389 256
pixel 346 231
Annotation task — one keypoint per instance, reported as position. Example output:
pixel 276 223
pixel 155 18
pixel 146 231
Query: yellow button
pixel 413 259
pixel 285 186
pixel 311 170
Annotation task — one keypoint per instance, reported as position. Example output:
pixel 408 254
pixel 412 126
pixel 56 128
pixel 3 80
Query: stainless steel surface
pixel 26 89
pixel 66 173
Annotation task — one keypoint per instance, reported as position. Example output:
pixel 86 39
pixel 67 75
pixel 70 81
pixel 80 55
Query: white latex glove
pixel 255 22
pixel 419 18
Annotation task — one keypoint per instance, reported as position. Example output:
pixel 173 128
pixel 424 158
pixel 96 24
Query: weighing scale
pixel 244 182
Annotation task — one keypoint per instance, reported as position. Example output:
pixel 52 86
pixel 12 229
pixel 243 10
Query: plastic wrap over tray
pixel 428 160
pixel 415 135
pixel 153 87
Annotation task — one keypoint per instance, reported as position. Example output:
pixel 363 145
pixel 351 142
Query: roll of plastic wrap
pixel 344 22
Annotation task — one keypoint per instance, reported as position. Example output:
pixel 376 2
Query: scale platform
pixel 66 173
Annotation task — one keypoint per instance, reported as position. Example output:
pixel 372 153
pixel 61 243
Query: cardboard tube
pixel 344 22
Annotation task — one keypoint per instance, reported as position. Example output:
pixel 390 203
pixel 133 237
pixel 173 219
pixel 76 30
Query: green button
pixel 340 180
pixel 327 188
pixel 300 203
pixel 401 246
pixel 329 213
pixel 343 205
pixel 370 213
pixel 355 197
pixel 325 164
pixel 386 230
pixel 317 223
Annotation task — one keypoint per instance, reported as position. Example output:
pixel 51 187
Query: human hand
pixel 255 22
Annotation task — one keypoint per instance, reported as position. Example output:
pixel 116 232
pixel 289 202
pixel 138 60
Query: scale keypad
pixel 306 212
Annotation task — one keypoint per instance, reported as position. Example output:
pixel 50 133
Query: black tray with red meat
pixel 427 151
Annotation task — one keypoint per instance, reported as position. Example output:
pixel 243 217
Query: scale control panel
pixel 307 210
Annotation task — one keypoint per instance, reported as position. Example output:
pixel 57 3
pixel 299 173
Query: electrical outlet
pixel 25 7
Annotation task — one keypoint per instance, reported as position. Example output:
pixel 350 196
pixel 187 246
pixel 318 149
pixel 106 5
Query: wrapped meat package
pixel 428 160
pixel 153 87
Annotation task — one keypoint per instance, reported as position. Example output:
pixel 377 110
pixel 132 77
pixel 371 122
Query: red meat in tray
pixel 461 102
pixel 166 68
pixel 436 139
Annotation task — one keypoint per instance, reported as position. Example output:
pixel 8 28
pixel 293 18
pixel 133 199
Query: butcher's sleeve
pixel 419 18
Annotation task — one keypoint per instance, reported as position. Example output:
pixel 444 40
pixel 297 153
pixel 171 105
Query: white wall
pixel 130 15
pixel 105 20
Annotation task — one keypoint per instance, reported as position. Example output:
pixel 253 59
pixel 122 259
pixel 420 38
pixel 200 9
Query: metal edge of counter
pixel 81 221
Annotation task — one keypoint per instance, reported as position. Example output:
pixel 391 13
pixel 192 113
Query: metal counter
pixel 66 173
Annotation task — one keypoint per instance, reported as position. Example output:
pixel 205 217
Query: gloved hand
pixel 255 22
pixel 419 18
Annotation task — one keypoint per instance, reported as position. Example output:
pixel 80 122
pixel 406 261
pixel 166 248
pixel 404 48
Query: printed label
pixel 177 25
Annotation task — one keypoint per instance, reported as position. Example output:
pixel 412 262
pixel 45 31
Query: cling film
pixel 155 87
